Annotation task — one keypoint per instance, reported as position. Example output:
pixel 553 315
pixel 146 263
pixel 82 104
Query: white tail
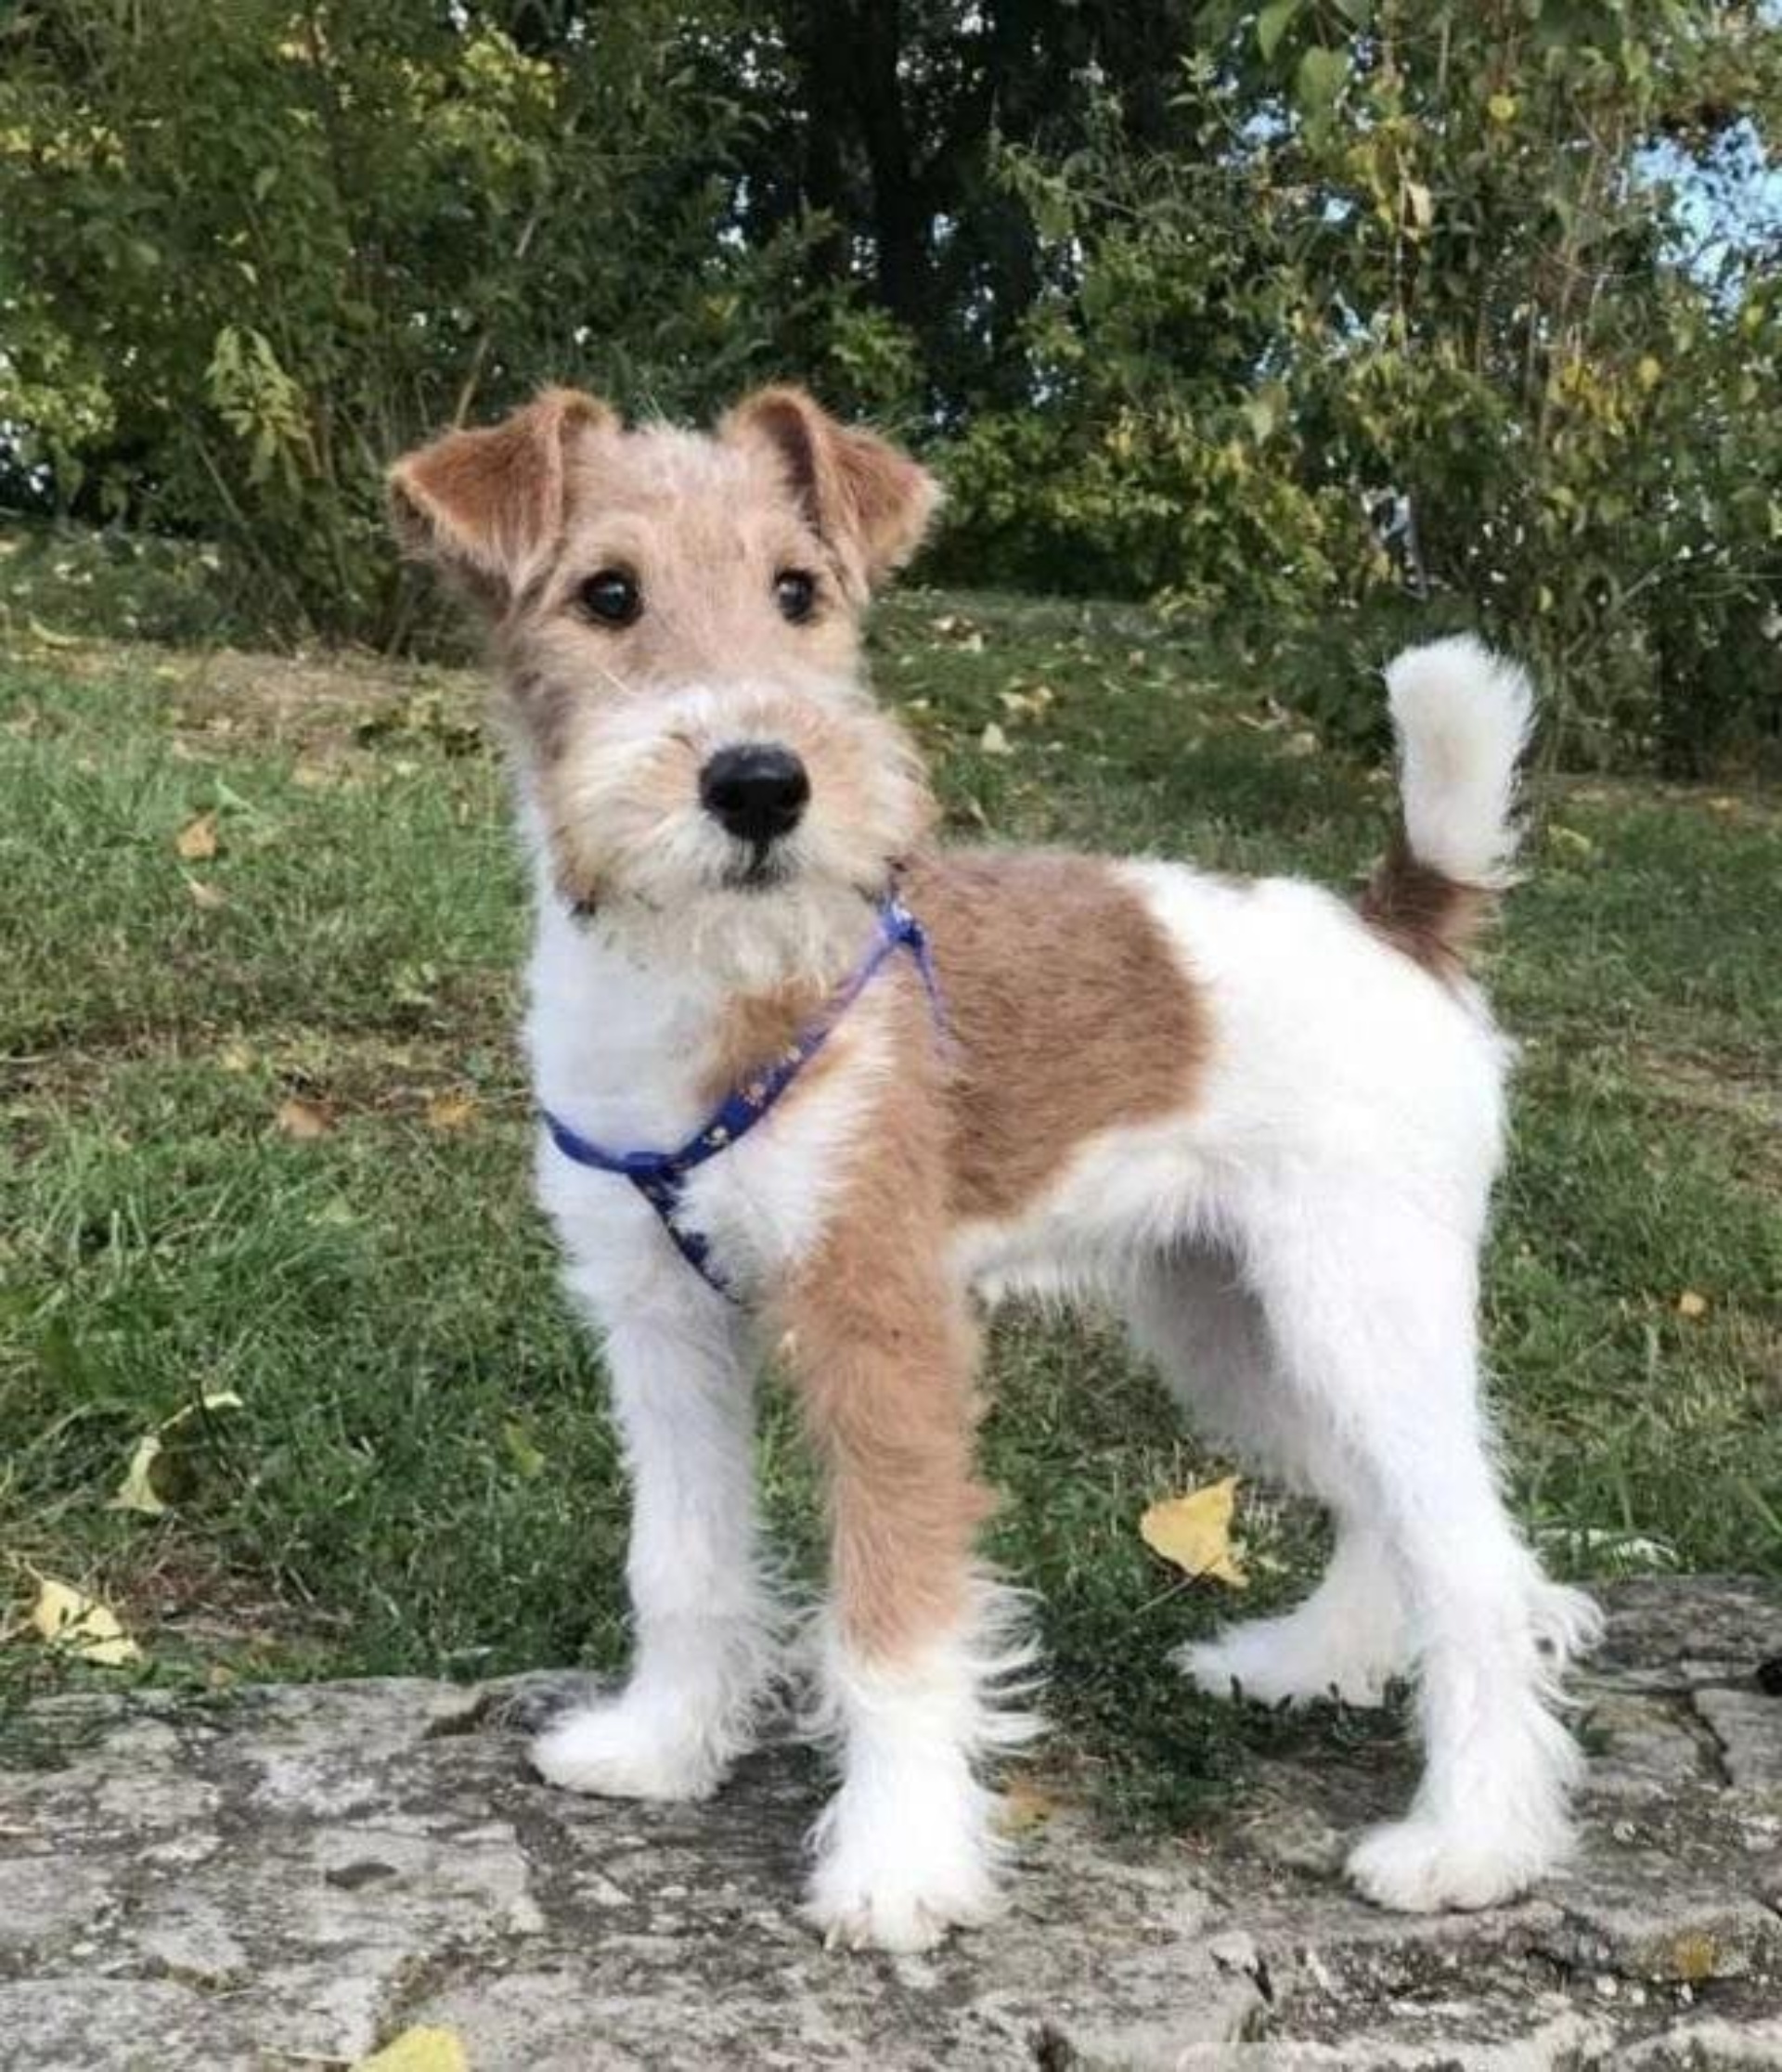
pixel 1462 715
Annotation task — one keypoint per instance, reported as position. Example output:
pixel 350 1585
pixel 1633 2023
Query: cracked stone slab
pixel 291 1876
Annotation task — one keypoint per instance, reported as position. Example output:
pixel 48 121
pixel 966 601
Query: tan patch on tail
pixel 881 1348
pixel 1068 1010
pixel 1433 918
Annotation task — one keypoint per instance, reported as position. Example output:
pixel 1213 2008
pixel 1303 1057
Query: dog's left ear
pixel 489 504
pixel 867 500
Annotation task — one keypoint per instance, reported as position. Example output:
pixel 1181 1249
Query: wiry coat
pixel 1262 1124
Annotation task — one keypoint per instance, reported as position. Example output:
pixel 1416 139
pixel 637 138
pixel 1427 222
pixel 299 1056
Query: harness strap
pixel 661 1176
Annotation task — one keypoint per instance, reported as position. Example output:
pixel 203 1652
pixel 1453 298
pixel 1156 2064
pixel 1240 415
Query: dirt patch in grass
pixel 323 710
pixel 1740 800
pixel 365 1073
pixel 1717 1091
pixel 313 705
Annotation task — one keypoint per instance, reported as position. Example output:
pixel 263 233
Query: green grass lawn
pixel 421 1478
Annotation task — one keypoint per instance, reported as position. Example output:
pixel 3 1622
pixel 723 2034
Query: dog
pixel 809 1082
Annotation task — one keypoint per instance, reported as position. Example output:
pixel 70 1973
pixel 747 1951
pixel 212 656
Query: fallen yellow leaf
pixel 450 1112
pixel 206 898
pixel 196 842
pixel 82 1625
pixel 1689 1303
pixel 1195 1531
pixel 418 2050
pixel 138 1491
pixel 994 741
pixel 1025 1806
pixel 155 1471
pixel 302 1120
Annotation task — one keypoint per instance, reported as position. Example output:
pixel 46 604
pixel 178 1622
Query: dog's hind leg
pixel 1369 1304
pixel 1207 1336
pixel 681 1385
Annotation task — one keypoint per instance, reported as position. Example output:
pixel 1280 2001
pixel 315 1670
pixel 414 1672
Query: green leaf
pixel 1322 77
pixel 1273 23
pixel 528 1458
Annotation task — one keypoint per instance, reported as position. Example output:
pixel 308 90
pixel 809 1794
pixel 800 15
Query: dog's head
pixel 677 616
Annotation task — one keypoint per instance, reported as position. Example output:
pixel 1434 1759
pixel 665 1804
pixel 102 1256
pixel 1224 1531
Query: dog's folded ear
pixel 871 503
pixel 488 506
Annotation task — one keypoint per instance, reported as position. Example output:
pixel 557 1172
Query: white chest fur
pixel 620 1050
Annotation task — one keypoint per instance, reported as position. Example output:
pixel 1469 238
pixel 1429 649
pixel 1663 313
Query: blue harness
pixel 661 1176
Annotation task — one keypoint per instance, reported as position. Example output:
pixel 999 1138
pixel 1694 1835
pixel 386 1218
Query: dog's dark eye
pixel 794 591
pixel 612 596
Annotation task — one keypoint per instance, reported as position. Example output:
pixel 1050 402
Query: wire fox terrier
pixel 811 1082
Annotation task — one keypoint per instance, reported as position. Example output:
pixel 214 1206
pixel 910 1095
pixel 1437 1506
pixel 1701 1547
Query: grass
pixel 421 1478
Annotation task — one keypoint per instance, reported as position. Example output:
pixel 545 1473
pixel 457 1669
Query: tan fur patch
pixel 1068 1007
pixel 881 1348
pixel 1434 920
pixel 1067 1015
pixel 753 1031
pixel 1066 1010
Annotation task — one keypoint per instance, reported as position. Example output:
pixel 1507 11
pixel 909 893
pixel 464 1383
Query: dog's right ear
pixel 489 505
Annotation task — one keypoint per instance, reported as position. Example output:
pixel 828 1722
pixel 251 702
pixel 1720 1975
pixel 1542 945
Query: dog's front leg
pixel 681 1379
pixel 883 1360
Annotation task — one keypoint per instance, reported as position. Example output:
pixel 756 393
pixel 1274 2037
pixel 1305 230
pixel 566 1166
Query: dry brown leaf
pixel 197 841
pixel 303 1121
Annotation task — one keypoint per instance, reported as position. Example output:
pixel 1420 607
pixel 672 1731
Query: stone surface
pixel 291 1876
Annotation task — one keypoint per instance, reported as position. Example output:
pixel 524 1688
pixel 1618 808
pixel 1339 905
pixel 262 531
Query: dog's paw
pixel 1276 1662
pixel 895 1909
pixel 1421 1866
pixel 898 1869
pixel 619 1749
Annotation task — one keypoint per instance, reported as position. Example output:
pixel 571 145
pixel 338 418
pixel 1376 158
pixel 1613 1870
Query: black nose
pixel 756 791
